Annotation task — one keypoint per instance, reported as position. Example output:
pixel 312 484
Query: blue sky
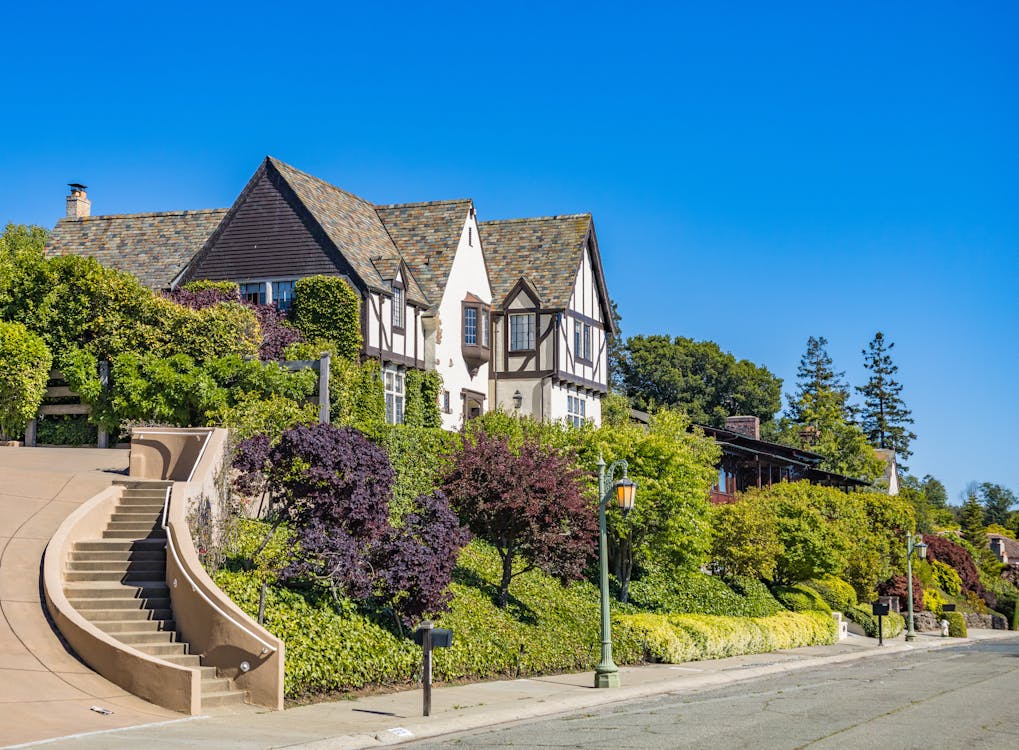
pixel 759 173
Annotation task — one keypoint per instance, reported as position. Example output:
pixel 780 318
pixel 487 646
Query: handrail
pixel 267 648
pixel 201 451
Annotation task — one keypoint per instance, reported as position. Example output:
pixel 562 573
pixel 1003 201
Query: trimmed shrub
pixel 837 594
pixel 862 615
pixel 420 456
pixel 678 638
pixel 944 550
pixel 956 624
pixel 800 598
pixel 327 308
pixel 698 593
pixel 945 578
pixel 25 363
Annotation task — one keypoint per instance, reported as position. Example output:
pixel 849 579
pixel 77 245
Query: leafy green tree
pixel 884 415
pixel 971 522
pixel 697 377
pixel 744 540
pixel 929 501
pixel 997 501
pixel 24 369
pixel 674 469
pixel 936 493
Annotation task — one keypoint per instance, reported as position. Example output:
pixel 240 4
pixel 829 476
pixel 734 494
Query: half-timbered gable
pixel 552 318
pixel 287 224
pixel 441 243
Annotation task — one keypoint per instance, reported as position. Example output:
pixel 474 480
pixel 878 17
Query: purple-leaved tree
pixel 529 504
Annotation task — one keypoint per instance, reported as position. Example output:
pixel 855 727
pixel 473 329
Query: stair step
pixel 120 545
pixel 83 603
pixel 131 501
pixel 225 698
pixel 125 614
pixel 134 626
pixel 216 685
pixel 146 637
pixel 121 516
pixel 162 649
pixel 137 535
pixel 184 660
pixel 133 578
pixel 104 590
pixel 159 563
pixel 140 525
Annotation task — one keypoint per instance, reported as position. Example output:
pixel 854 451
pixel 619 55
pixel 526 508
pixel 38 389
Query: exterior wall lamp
pixel 518 399
pixel 624 493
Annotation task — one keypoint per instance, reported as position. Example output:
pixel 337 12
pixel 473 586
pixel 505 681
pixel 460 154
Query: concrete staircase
pixel 118 583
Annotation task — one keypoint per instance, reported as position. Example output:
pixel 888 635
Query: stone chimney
pixel 78 204
pixel 749 426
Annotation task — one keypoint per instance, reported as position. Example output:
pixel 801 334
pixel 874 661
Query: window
pixel 445 403
pixel 283 294
pixel 587 342
pixel 521 332
pixel 399 307
pixel 577 325
pixel 484 327
pixel 393 385
pixel 471 326
pixel 576 410
pixel 253 292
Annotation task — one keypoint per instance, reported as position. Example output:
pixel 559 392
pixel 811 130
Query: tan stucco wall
pixel 168 685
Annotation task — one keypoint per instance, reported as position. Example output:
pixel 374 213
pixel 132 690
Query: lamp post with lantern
pixel 914 543
pixel 622 493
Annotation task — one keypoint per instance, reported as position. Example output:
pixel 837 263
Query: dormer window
pixel 521 332
pixel 399 307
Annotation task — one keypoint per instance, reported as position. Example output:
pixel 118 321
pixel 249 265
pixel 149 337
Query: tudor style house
pixel 512 314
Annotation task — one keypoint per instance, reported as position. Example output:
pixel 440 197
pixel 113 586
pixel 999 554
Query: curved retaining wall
pixel 169 685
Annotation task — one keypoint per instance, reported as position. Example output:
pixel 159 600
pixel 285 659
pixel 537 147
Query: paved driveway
pixel 44 690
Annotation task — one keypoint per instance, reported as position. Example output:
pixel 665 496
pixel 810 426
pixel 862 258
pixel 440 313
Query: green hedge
pixel 837 594
pixel 956 624
pixel 699 593
pixel 25 363
pixel 862 615
pixel 801 598
pixel 679 638
pixel 546 628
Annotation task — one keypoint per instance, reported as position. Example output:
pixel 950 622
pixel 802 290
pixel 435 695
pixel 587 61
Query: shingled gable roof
pixel 547 251
pixel 427 235
pixel 155 247
pixel 353 226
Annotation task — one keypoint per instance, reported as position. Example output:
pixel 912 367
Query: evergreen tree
pixel 971 522
pixel 884 414
pixel 817 380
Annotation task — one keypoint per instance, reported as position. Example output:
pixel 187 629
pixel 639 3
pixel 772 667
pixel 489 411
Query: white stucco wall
pixel 467 275
pixel 586 302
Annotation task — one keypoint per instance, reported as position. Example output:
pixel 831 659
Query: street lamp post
pixel 606 674
pixel 914 543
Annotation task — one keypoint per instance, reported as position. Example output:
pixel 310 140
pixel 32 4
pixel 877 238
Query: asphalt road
pixel 962 697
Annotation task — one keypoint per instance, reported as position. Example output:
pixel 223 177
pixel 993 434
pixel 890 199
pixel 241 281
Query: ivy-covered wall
pixel 326 308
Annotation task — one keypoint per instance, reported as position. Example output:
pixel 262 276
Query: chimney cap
pixel 76 186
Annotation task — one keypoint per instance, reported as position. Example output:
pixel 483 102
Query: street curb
pixel 423 728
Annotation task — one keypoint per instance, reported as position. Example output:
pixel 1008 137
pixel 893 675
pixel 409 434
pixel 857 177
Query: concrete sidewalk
pixel 378 720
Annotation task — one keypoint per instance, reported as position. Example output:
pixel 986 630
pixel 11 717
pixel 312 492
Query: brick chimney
pixel 78 204
pixel 749 426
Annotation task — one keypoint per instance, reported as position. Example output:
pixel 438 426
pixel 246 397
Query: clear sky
pixel 758 172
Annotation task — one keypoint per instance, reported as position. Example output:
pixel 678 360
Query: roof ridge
pixel 310 176
pixel 556 217
pixel 425 203
pixel 145 214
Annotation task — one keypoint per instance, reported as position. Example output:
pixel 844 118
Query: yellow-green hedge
pixel 678 638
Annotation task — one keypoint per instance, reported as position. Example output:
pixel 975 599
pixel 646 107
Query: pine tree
pixel 816 380
pixel 884 415
pixel 971 522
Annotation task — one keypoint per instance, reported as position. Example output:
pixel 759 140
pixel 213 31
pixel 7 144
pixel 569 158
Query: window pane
pixel 587 341
pixel 484 327
pixel 398 307
pixel 283 294
pixel 576 339
pixel 471 326
pixel 253 292
pixel 521 332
